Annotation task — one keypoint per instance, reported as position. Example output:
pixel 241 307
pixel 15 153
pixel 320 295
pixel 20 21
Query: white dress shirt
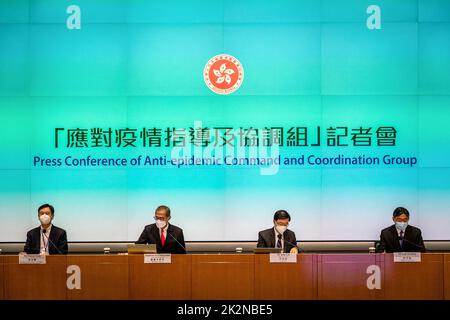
pixel 45 240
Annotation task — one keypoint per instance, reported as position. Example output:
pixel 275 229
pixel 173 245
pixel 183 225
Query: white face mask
pixel 161 224
pixel 45 219
pixel 281 229
pixel 401 225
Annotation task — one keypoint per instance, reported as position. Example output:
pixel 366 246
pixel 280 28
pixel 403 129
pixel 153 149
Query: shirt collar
pixel 48 229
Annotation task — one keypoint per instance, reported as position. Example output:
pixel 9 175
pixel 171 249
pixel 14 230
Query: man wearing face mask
pixel 279 236
pixel 167 237
pixel 47 238
pixel 401 237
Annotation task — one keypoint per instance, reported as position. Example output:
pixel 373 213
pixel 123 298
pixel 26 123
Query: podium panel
pixel 33 281
pixel 344 276
pixel 227 276
pixel 447 276
pixel 286 281
pixel 2 278
pixel 158 280
pixel 102 277
pixel 223 276
pixel 415 280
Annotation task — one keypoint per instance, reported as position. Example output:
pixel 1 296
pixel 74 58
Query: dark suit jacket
pixel 56 245
pixel 266 239
pixel 151 234
pixel 390 242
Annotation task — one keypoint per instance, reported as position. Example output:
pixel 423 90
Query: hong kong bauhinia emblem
pixel 223 74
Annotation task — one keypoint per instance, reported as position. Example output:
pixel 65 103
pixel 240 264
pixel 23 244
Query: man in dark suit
pixel 279 236
pixel 401 237
pixel 167 237
pixel 47 238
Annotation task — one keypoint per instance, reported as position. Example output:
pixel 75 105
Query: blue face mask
pixel 401 225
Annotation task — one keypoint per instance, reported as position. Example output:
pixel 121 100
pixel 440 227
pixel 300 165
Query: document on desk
pixel 407 257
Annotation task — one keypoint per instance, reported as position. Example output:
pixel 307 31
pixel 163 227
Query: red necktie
pixel 162 237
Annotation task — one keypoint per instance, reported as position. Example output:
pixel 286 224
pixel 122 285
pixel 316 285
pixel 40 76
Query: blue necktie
pixel 279 241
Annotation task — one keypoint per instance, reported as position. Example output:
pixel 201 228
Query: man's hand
pixel 294 250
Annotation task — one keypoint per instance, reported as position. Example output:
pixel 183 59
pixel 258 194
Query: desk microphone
pixel 299 249
pixel 44 232
pixel 402 238
pixel 177 241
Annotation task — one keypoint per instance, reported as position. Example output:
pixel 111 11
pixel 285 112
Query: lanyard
pixel 45 242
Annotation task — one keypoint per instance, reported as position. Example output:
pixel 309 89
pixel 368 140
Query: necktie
pixel 162 237
pixel 401 238
pixel 279 241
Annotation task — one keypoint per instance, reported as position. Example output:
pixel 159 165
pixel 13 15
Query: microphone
pixel 44 232
pixel 299 249
pixel 402 238
pixel 177 241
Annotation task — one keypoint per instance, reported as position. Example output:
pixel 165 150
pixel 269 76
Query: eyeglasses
pixel 159 218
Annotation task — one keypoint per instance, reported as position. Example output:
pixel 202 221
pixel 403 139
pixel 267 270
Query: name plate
pixel 157 258
pixel 283 258
pixel 407 257
pixel 32 259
